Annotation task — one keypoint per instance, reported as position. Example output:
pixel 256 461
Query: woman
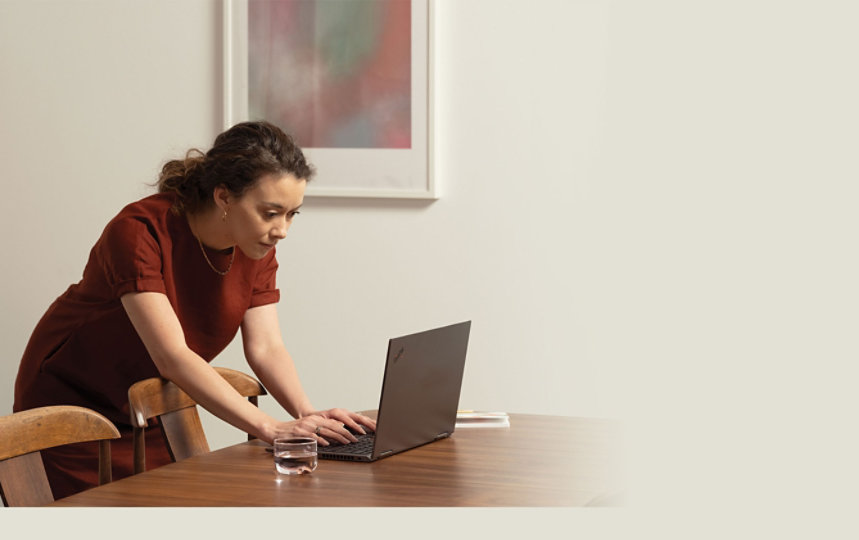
pixel 167 286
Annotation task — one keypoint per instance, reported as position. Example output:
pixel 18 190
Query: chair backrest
pixel 24 434
pixel 177 413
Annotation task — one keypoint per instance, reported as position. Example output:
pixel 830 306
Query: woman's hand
pixel 323 426
pixel 343 421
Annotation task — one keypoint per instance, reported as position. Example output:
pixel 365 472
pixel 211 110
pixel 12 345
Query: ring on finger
pixel 317 429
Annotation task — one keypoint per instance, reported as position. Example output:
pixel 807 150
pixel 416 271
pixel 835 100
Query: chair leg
pixel 104 472
pixel 139 443
pixel 255 402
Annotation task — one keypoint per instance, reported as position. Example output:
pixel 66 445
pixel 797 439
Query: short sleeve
pixel 265 289
pixel 131 257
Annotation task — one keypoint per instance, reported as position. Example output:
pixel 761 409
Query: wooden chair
pixel 23 481
pixel 177 413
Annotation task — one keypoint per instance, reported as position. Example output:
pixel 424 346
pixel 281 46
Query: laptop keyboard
pixel 364 445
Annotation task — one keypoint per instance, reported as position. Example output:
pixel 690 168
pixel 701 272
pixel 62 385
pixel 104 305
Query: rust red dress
pixel 84 351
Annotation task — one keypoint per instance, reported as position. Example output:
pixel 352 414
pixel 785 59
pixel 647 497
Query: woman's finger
pixel 357 422
pixel 337 433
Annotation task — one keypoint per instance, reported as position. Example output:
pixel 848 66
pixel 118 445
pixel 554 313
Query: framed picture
pixel 350 80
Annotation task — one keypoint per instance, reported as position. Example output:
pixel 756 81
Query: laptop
pixel 420 395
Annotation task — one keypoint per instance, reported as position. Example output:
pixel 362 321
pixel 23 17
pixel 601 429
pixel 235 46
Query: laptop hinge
pixel 385 453
pixel 442 435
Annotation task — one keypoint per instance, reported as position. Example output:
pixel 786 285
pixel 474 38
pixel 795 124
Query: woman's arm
pixel 267 356
pixel 159 329
pixel 271 362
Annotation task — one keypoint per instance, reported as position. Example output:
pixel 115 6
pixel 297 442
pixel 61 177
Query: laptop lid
pixel 420 392
pixel 421 388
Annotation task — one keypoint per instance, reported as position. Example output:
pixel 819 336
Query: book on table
pixel 469 419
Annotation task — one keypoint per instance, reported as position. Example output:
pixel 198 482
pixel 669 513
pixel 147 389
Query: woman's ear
pixel 222 197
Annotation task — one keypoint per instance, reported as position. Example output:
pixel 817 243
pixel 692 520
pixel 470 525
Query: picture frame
pixel 350 172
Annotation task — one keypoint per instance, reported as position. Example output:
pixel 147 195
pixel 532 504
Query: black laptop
pixel 420 395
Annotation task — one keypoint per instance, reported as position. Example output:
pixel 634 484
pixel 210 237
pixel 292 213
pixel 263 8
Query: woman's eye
pixel 273 214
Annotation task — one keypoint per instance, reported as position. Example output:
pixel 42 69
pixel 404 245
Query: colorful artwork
pixel 333 73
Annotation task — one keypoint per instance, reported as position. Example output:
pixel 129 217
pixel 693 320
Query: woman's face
pixel 261 217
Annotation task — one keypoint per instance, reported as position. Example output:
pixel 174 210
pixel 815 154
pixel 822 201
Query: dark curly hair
pixel 237 160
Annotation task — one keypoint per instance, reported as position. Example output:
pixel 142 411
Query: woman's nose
pixel 281 229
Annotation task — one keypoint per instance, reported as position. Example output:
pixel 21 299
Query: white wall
pixel 103 92
pixel 648 212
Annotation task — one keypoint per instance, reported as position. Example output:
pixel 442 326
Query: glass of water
pixel 295 455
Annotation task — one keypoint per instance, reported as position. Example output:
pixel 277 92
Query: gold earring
pixel 224 217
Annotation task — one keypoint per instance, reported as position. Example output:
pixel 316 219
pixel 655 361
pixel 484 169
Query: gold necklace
pixel 212 266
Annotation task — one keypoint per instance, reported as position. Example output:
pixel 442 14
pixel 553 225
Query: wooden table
pixel 537 461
